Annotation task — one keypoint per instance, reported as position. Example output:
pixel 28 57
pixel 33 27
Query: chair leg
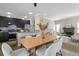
pixel 59 53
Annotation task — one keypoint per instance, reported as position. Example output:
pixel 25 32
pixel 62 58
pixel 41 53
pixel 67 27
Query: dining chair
pixel 38 35
pixel 60 40
pixel 51 50
pixel 58 37
pixel 28 36
pixel 7 51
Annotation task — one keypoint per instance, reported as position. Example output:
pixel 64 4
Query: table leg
pixel 32 52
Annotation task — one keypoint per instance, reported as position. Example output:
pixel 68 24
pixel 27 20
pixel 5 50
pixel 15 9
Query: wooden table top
pixel 33 42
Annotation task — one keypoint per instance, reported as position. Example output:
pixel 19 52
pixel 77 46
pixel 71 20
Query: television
pixel 69 31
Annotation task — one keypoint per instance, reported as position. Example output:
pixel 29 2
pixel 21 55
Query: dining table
pixel 31 44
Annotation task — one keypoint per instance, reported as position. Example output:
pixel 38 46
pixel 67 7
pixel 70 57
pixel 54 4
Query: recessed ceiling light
pixel 22 18
pixel 30 13
pixel 25 16
pixel 8 16
pixel 9 13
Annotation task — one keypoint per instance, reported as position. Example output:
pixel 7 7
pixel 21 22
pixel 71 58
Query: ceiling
pixel 51 10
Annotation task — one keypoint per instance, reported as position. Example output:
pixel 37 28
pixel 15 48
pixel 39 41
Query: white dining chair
pixel 28 36
pixel 38 35
pixel 51 50
pixel 47 45
pixel 60 40
pixel 7 51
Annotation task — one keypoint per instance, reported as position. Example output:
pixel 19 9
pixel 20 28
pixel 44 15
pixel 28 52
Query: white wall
pixel 71 21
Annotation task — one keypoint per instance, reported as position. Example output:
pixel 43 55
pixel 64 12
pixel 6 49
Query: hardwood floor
pixel 71 47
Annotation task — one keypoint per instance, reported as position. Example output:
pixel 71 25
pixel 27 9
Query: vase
pixel 43 27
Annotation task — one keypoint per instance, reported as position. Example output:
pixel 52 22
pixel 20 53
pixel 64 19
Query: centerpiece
pixel 43 26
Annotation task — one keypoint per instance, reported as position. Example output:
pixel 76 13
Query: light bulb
pixel 30 13
pixel 9 13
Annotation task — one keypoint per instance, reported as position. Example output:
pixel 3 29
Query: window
pixel 78 27
pixel 58 28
